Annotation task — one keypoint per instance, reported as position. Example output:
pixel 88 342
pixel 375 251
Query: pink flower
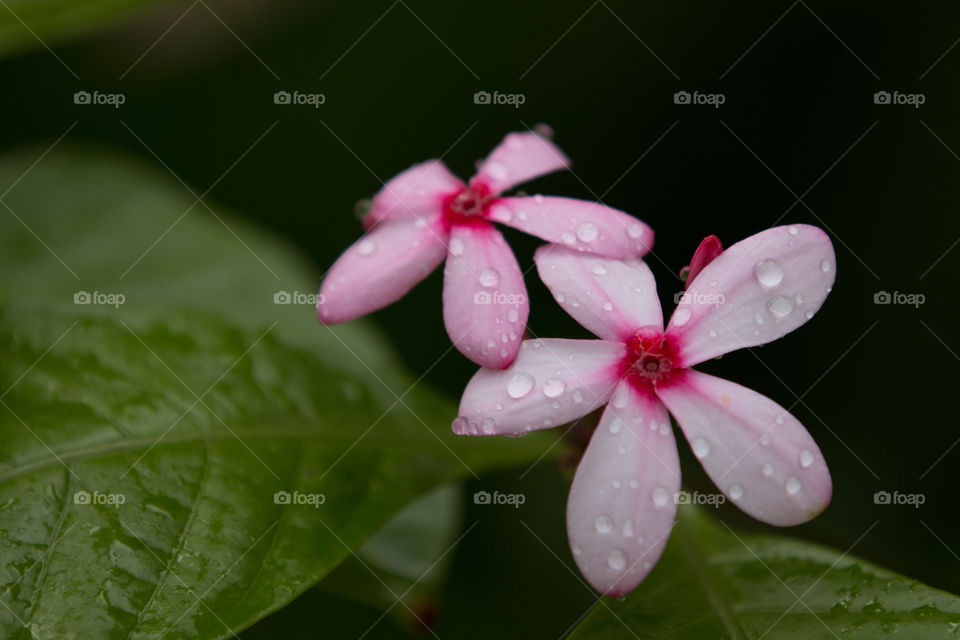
pixel 426 213
pixel 622 503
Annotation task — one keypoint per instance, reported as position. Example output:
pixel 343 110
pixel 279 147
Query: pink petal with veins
pixel 380 268
pixel 417 191
pixel 759 455
pixel 552 382
pixel 610 298
pixel 622 503
pixel 756 291
pixel 578 224
pixel 485 304
pixel 518 158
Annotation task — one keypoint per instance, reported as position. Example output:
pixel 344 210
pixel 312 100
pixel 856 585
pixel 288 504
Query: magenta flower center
pixel 469 205
pixel 650 359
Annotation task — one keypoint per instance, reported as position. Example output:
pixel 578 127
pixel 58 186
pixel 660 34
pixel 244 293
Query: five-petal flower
pixel 425 214
pixel 622 502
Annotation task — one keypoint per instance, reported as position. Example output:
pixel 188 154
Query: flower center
pixel 650 358
pixel 469 205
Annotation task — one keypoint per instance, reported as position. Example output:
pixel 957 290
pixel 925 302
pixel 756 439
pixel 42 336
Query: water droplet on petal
pixel 576 550
pixel 603 524
pixel 366 247
pixel 620 398
pixel 588 232
pixel 599 270
pixel 681 316
pixel 627 528
pixel 520 385
pixel 497 170
pixel 617 559
pixel 806 458
pixel 634 230
pixel 553 387
pixel 793 485
pixel 758 317
pixel 701 448
pixel 736 492
pixel 488 278
pixel 567 237
pixel 615 425
pixel 456 247
pixel 780 306
pixel 768 272
pixel 608 306
pixel 825 265
pixel 577 396
pixel 513 315
pixel 793 229
pixel 767 469
pixel 659 496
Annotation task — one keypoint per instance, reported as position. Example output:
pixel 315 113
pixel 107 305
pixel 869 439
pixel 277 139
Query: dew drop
pixel 627 528
pixel 599 270
pixel 780 306
pixel 767 469
pixel 825 265
pixel 620 398
pixel 617 559
pixel 553 387
pixel 489 278
pixel 681 316
pixel 793 485
pixel 758 317
pixel 701 448
pixel 577 396
pixel 576 550
pixel 456 247
pixel 366 247
pixel 793 229
pixel 659 496
pixel 615 425
pixel 608 306
pixel 736 492
pixel 634 484
pixel 567 237
pixel 768 272
pixel 806 458
pixel 497 170
pixel 513 315
pixel 520 385
pixel 588 232
pixel 808 315
pixel 603 524
pixel 765 439
pixel 798 297
pixel 634 230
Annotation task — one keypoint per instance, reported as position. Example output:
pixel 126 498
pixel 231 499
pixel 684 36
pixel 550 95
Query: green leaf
pixel 33 24
pixel 402 566
pixel 143 445
pixel 713 582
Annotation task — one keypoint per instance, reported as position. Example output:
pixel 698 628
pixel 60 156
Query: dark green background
pixel 799 113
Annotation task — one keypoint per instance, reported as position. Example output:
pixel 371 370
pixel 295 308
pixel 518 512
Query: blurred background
pixel 838 116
